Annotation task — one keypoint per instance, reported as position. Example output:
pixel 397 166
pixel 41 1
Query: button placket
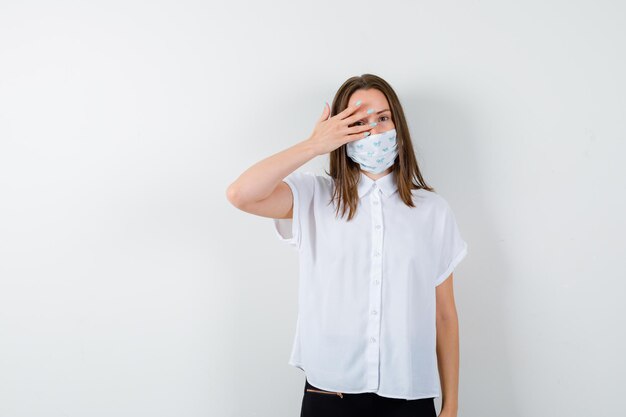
pixel 373 351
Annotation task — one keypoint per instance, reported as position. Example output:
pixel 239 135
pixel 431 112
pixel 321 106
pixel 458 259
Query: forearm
pixel 448 363
pixel 257 182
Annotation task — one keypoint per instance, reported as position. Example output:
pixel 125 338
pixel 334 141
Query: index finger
pixel 349 110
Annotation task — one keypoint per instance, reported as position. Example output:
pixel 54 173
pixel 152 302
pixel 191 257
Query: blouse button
pixel 376 282
pixel 373 339
pixel 374 312
pixel 375 202
pixel 378 226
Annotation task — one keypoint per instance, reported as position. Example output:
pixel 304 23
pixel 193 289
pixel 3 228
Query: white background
pixel 129 286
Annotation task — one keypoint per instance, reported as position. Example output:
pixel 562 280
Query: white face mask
pixel 374 153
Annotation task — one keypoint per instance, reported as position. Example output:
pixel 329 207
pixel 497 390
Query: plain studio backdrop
pixel 129 286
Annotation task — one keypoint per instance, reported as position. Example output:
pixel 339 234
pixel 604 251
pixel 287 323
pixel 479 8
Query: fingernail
pixel 358 103
pixel 367 134
pixel 370 111
pixel 373 124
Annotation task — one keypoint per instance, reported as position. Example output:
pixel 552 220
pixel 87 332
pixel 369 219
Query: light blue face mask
pixel 374 153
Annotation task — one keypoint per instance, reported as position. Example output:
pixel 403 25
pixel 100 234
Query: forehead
pixel 371 98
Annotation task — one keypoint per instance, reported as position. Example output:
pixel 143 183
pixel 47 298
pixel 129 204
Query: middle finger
pixel 358 116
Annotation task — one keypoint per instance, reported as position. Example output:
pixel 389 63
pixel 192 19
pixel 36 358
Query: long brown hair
pixel 346 173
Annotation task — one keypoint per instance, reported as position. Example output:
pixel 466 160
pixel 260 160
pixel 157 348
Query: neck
pixel 377 176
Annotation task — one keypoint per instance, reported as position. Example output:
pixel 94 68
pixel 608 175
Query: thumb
pixel 325 113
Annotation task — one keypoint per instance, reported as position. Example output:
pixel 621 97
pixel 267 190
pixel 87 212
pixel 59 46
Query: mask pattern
pixel 374 153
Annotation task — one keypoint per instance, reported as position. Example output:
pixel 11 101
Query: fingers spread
pixel 349 110
pixel 355 117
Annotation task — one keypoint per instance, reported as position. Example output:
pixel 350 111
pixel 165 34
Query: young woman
pixel 377 330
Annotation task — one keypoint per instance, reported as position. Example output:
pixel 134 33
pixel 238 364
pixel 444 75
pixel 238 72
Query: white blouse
pixel 366 292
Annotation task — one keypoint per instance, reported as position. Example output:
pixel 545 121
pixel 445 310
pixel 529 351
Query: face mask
pixel 374 153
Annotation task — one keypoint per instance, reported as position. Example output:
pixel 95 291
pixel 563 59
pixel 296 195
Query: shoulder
pixel 308 180
pixel 429 199
pixel 437 207
pixel 307 176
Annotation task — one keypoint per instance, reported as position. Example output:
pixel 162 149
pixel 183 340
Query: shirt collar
pixel 387 184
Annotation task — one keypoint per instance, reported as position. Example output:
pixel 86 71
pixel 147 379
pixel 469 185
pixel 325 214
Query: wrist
pixel 308 146
pixel 449 410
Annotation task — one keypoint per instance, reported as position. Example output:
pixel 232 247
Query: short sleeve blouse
pixel 366 293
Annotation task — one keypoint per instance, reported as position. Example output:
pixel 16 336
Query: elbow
pixel 446 316
pixel 233 196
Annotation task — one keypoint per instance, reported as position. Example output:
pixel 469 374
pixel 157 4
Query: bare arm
pixel 260 190
pixel 448 347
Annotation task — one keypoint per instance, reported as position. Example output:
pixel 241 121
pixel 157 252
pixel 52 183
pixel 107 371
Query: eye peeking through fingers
pixel 381 119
